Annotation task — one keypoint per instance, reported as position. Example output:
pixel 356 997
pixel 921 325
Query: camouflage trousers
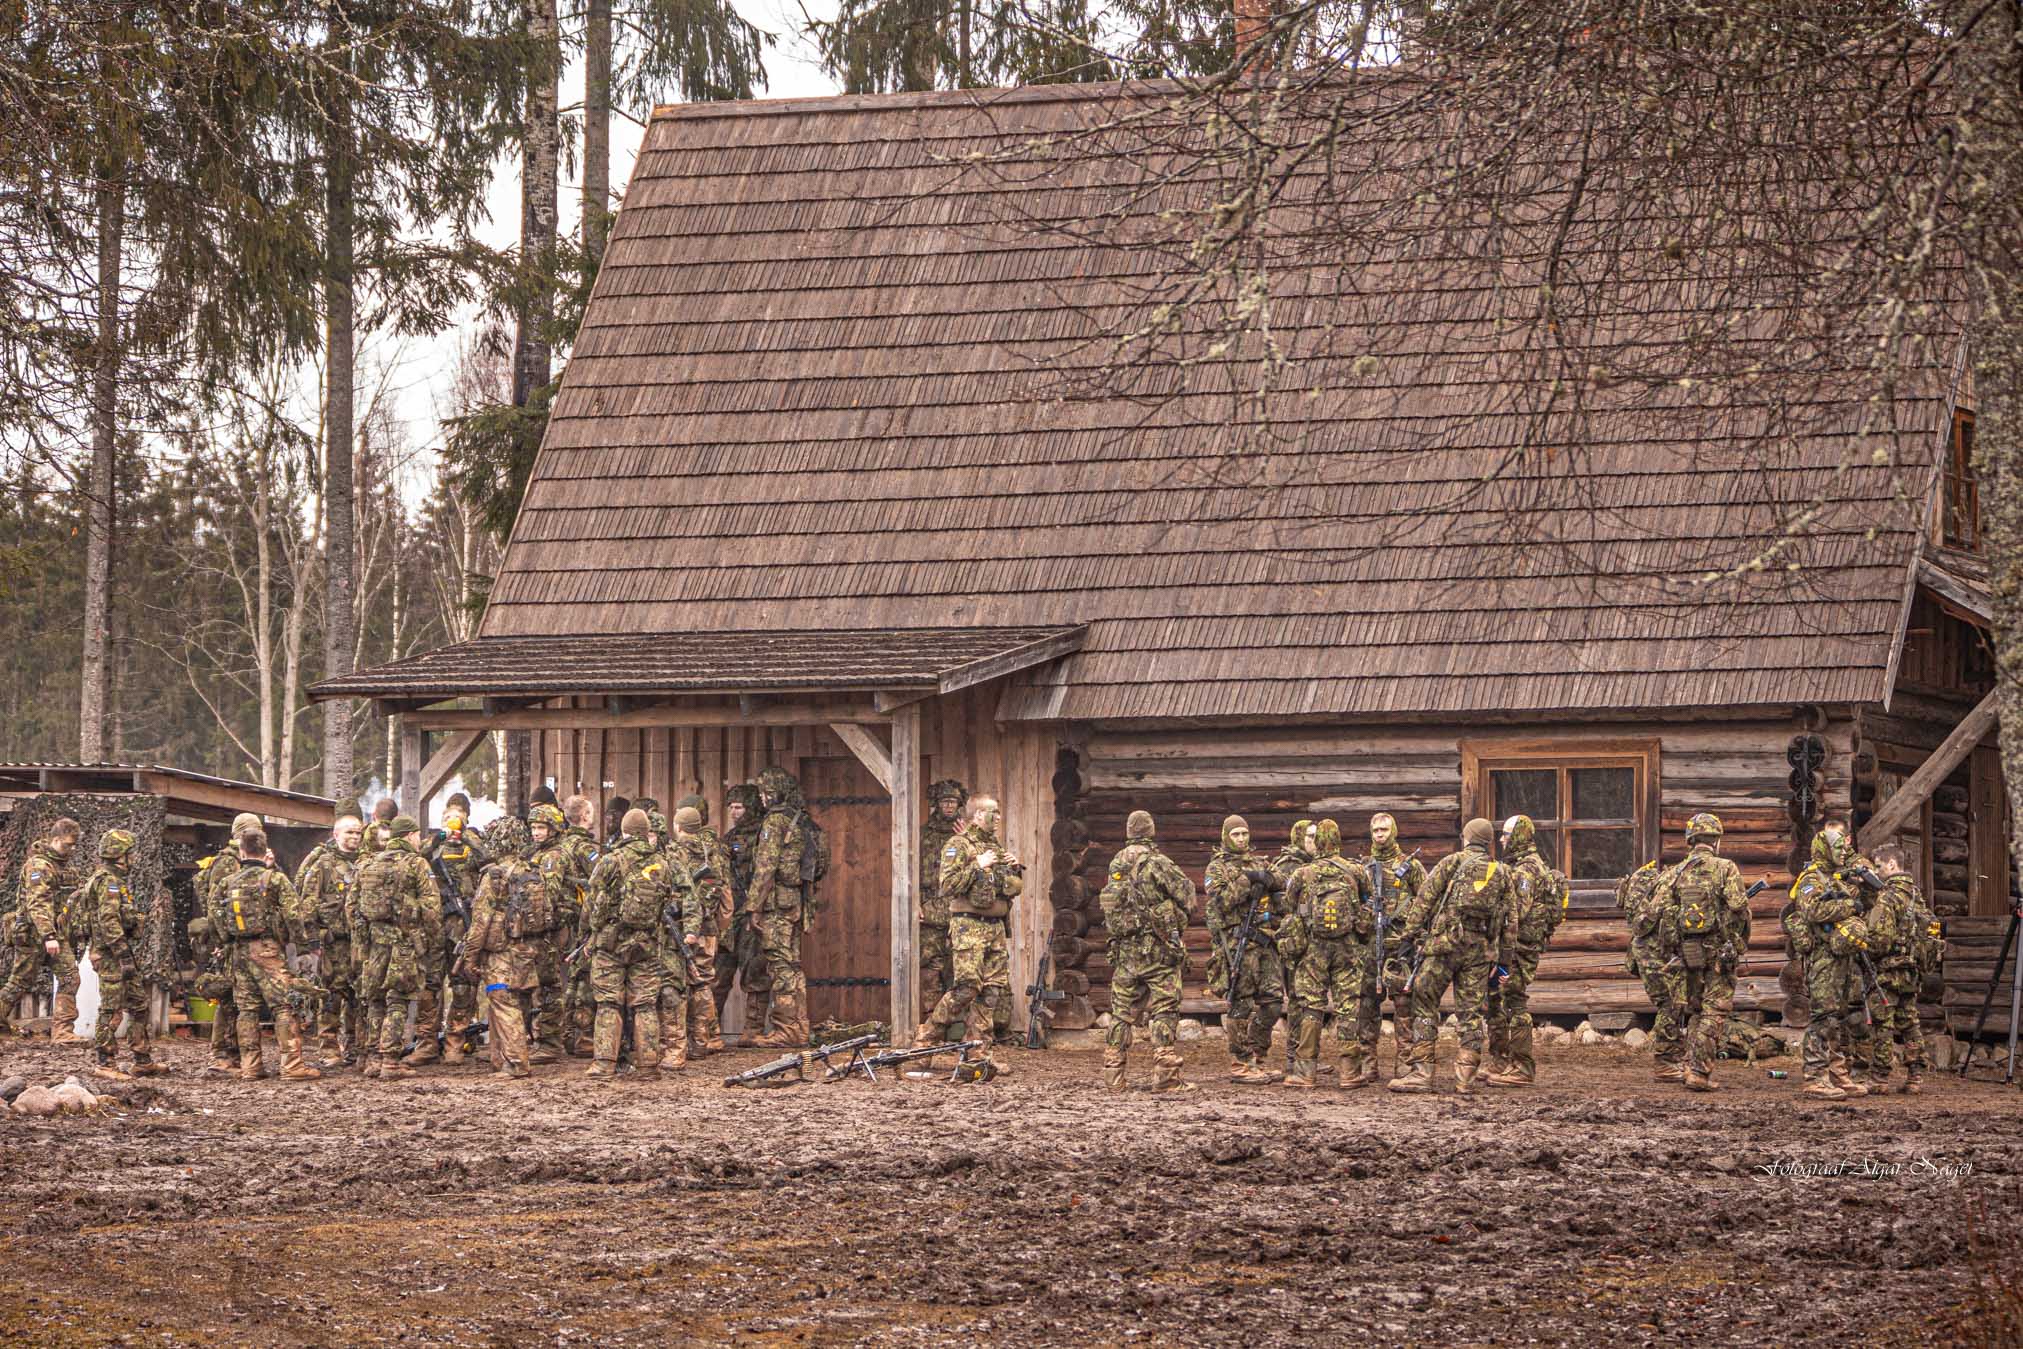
pixel 1333 972
pixel 260 981
pixel 1896 1023
pixel 121 993
pixel 33 967
pixel 1144 992
pixel 627 972
pixel 337 1016
pixel 387 980
pixel 699 1020
pixel 1462 960
pixel 1838 1028
pixel 1256 1000
pixel 1509 1011
pixel 934 966
pixel 980 968
pixel 511 979
pixel 441 989
pixel 779 936
pixel 551 946
pixel 1668 1043
pixel 1703 1000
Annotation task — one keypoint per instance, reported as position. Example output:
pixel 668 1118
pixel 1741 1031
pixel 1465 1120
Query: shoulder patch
pixel 949 851
pixel 37 874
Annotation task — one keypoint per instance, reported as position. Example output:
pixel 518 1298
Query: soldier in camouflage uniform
pixel 1704 927
pixel 686 959
pixel 324 881
pixel 702 858
pixel 117 919
pixel 979 880
pixel 263 912
pixel 738 956
pixel 461 853
pixel 1826 930
pixel 945 800
pixel 212 875
pixel 509 915
pixel 1291 938
pixel 1538 897
pixel 546 828
pixel 1647 961
pixel 1241 885
pixel 396 894
pixel 1331 895
pixel 1397 881
pixel 379 829
pixel 629 896
pixel 39 929
pixel 1906 938
pixel 582 852
pixel 1461 930
pixel 779 903
pixel 1146 904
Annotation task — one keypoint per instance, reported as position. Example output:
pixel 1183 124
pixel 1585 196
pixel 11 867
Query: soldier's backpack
pixel 1122 900
pixel 814 848
pixel 1554 900
pixel 1925 936
pixel 245 905
pixel 379 887
pixel 528 910
pixel 1335 907
pixel 1798 935
pixel 643 893
pixel 1470 894
pixel 1696 907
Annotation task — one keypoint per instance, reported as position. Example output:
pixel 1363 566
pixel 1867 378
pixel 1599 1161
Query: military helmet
pixel 1138 824
pixel 548 814
pixel 1521 831
pixel 243 821
pixel 946 788
pixel 114 844
pixel 1704 825
pixel 777 783
pixel 1330 842
pixel 402 826
pixel 698 804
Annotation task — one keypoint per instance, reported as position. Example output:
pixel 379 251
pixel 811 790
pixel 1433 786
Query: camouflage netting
pixel 142 816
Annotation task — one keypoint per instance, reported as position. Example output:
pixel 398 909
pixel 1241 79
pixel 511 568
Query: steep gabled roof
pixel 845 368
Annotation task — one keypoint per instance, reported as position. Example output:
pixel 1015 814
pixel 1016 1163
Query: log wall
pixel 847 951
pixel 1191 778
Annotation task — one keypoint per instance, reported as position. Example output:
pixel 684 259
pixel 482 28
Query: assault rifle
pixel 469 1035
pixel 967 1068
pixel 1264 885
pixel 774 1074
pixel 1038 995
pixel 454 903
pixel 1377 870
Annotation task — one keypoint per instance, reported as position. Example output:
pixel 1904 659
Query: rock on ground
pixel 1190 1029
pixel 1635 1039
pixel 37 1102
pixel 12 1087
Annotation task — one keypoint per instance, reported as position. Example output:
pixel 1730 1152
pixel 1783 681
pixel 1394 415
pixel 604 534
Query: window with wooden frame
pixel 1961 509
pixel 1595 802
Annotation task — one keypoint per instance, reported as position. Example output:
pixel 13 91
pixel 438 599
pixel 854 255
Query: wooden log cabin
pixel 839 477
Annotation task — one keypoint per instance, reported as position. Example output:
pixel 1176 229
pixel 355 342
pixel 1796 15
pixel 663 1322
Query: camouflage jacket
pixel 972 891
pixel 935 834
pixel 1725 878
pixel 411 887
pixel 488 934
pixel 742 846
pixel 630 891
pixel 702 858
pixel 1830 912
pixel 463 856
pixel 558 880
pixel 580 853
pixel 116 915
pixel 325 881
pixel 48 894
pixel 1399 881
pixel 776 865
pixel 1146 904
pixel 1466 892
pixel 1229 891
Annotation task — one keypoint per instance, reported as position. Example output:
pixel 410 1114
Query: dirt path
pixel 461 1210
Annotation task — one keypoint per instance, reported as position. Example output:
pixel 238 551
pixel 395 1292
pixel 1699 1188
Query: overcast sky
pixel 421 369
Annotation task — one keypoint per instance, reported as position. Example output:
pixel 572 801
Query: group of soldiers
pixel 1315 935
pixel 1858 929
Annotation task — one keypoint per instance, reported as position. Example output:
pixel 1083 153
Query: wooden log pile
pixel 1076 913
pixel 1972 948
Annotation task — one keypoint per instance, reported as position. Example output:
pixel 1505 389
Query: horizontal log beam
pixel 221 796
pixel 594 719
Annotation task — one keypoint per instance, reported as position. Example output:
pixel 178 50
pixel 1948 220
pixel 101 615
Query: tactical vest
pixel 1472 898
pixel 379 884
pixel 643 891
pixel 1334 901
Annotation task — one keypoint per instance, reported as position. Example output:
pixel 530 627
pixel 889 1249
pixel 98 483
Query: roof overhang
pixel 899 664
pixel 1959 585
pixel 196 796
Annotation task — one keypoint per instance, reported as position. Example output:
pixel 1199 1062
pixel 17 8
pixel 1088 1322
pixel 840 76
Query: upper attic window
pixel 1962 505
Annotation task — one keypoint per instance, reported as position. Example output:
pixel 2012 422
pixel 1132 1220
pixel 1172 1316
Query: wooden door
pixel 1988 837
pixel 847 952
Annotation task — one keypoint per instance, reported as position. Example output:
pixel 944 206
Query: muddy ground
pixel 457 1209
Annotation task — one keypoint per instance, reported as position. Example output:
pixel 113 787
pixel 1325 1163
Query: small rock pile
pixel 70 1097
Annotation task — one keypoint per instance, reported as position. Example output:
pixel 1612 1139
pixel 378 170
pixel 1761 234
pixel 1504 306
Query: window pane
pixel 1548 847
pixel 1603 854
pixel 1524 791
pixel 1604 793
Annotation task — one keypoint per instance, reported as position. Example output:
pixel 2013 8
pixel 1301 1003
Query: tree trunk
pixel 263 604
pixel 596 129
pixel 98 497
pixel 339 532
pixel 538 186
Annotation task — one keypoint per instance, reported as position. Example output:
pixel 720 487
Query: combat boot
pixel 1418 1078
pixel 1849 1084
pixel 221 1068
pixel 1668 1070
pixel 1353 1077
pixel 605 1068
pixel 454 1051
pixel 250 1067
pixel 790 1017
pixel 293 1069
pixel 145 1066
pixel 63 1023
pixel 392 1069
pixel 1250 1073
pixel 1113 1071
pixel 368 1065
pixel 1821 1088
pixel 1370 1075
pixel 108 1069
pixel 425 1051
pixel 1166 1065
pixel 1699 1081
pixel 1510 1075
pixel 1914 1083
pixel 543 1052
pixel 1466 1065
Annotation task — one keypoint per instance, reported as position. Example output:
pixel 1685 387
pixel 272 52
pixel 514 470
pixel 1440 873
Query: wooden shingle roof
pixel 826 380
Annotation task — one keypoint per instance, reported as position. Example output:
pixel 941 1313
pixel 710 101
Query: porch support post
pixel 410 767
pixel 905 788
pixel 442 765
pixel 1897 811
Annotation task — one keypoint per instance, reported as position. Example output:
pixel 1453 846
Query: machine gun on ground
pixel 968 1068
pixel 774 1074
pixel 1038 1014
